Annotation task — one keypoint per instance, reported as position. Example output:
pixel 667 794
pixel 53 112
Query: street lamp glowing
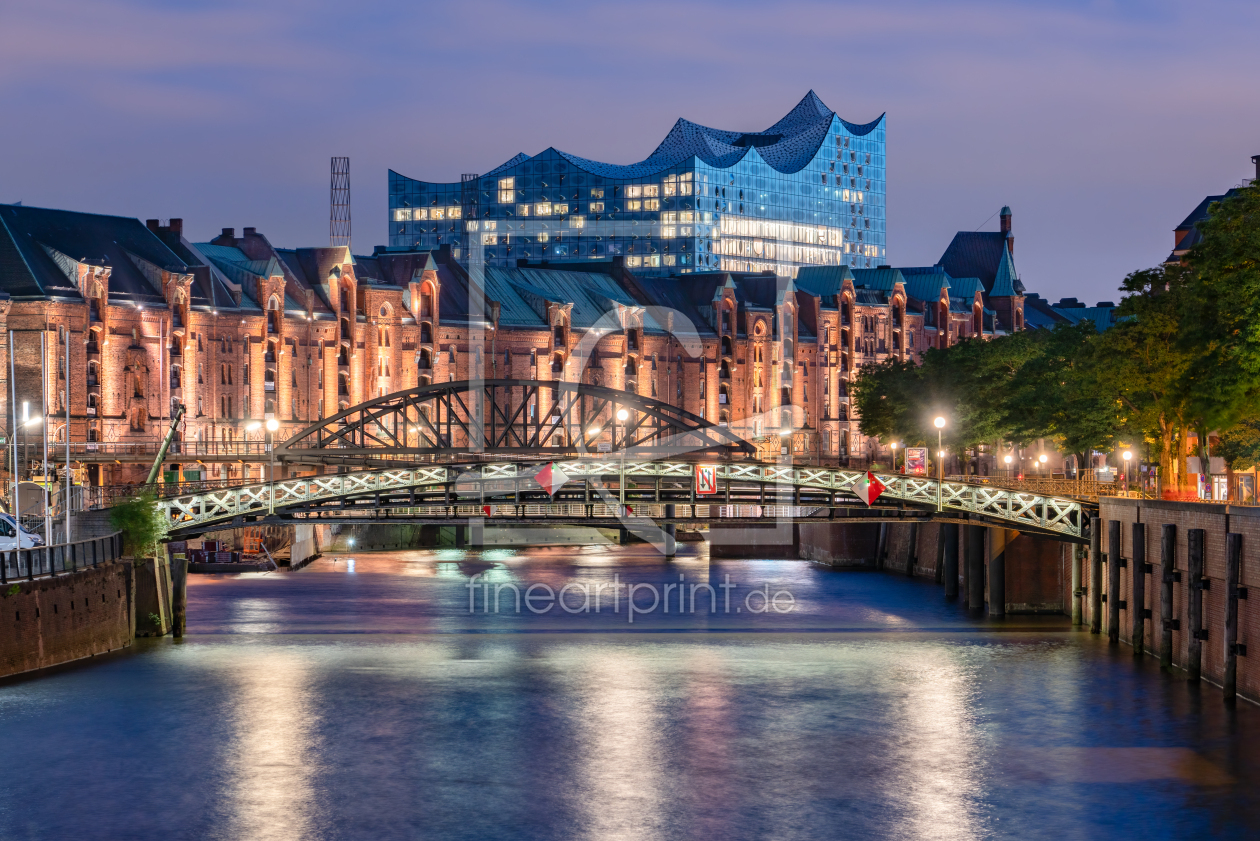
pixel 253 427
pixel 787 430
pixel 940 454
pixel 593 431
pixel 1042 458
pixel 272 425
pixel 1007 459
pixel 622 414
pixel 35 421
pixel 1127 455
pixel 940 423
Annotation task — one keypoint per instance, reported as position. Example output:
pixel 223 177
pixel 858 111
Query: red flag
pixel 486 509
pixel 551 478
pixel 868 488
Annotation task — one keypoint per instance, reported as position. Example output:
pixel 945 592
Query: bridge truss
pixel 474 418
pixel 510 491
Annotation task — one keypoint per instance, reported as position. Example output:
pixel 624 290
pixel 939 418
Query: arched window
pixel 632 366
pixel 426 333
pixel 724 370
pixel 557 363
pixel 726 346
pixel 426 360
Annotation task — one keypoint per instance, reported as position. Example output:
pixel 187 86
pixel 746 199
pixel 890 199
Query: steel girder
pixel 495 417
pixel 1020 511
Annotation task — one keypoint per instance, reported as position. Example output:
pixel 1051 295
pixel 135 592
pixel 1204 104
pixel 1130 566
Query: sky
pixel 1102 124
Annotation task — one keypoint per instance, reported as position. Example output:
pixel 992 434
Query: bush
pixel 142 525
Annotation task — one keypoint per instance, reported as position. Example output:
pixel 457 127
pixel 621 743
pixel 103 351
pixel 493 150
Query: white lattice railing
pixel 1022 510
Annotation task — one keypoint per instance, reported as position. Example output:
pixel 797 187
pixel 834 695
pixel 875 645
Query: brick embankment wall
pixel 1216 520
pixel 56 620
pixel 836 544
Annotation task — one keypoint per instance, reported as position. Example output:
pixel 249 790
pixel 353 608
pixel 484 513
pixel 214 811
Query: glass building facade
pixel 809 190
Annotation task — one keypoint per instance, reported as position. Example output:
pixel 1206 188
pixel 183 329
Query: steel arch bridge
pixel 508 492
pixel 506 417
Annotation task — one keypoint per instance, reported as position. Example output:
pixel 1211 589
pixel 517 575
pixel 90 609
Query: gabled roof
pixel 824 281
pixel 925 283
pixel 883 280
pixel 975 254
pixel 36 242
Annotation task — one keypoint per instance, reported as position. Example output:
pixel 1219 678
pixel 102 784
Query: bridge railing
pixel 28 564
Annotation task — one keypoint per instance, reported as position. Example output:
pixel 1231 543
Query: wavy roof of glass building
pixel 787 146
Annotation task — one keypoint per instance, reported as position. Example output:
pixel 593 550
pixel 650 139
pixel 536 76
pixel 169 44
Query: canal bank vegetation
pixel 142 525
pixel 1181 363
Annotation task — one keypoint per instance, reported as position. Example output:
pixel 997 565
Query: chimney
pixel 249 232
pixel 151 224
pixel 228 237
pixel 177 227
pixel 228 233
pixel 1005 217
pixel 1255 159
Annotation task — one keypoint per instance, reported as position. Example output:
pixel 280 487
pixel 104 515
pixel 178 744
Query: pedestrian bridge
pixel 604 491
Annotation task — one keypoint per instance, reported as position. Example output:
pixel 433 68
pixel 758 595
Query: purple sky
pixel 1101 123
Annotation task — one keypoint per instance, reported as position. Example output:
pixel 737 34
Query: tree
pixel 1144 362
pixel 1221 328
pixel 1061 393
pixel 142 525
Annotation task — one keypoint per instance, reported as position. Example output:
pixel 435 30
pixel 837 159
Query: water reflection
pixel 271 754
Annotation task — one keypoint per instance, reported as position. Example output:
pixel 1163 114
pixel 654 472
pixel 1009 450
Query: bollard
pixel 1137 601
pixel 671 529
pixel 1113 581
pixel 949 559
pixel 1095 575
pixel 1168 567
pixel 1233 563
pixel 1194 654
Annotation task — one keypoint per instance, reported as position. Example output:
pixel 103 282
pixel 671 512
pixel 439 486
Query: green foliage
pixel 1221 325
pixel 142 525
pixel 1240 444
pixel 12 590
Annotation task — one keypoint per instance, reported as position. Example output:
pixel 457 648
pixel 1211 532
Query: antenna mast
pixel 339 211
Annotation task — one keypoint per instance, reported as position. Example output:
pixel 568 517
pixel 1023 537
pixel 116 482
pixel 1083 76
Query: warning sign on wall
pixel 706 479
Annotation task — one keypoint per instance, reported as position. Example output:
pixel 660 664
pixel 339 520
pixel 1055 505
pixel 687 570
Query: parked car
pixel 13 536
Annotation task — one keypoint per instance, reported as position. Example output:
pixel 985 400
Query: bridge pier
pixel 949 559
pixel 974 545
pixel 998 539
pixel 671 528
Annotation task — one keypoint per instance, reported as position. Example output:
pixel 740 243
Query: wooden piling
pixel 1137 600
pixel 1095 575
pixel 1113 581
pixel 1076 585
pixel 1194 561
pixel 179 594
pixel 997 572
pixel 949 559
pixel 975 568
pixel 1168 572
pixel 1233 565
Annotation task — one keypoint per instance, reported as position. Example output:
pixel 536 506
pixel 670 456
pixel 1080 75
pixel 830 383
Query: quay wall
pixel 50 621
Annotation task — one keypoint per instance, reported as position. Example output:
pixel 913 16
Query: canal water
pixel 360 698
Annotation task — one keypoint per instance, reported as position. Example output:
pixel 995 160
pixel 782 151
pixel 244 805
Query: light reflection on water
pixel 366 702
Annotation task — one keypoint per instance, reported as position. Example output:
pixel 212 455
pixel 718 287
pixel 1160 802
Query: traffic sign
pixel 706 479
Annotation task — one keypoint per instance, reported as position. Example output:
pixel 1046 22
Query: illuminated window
pixel 669 259
pixel 543 236
pixel 651 204
pixel 652 260
pixel 472 225
pixel 597 206
pixel 506 196
pixel 686 216
pixel 634 191
pixel 577 221
pixel 453 212
pixel 489 239
pixel 634 205
pixel 634 262
pixel 436 213
pixel 402 214
pixel 489 226
pixel 669 231
pixel 507 183
pixel 651 190
pixel 669 216
pixel 560 209
pixel 542 208
pixel 522 210
pixel 597 193
pixel 420 213
pixel 684 232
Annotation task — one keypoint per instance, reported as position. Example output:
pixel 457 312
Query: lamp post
pixel 1042 469
pixel 1128 455
pixel 272 426
pixel 894 456
pixel 1007 461
pixel 940 463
